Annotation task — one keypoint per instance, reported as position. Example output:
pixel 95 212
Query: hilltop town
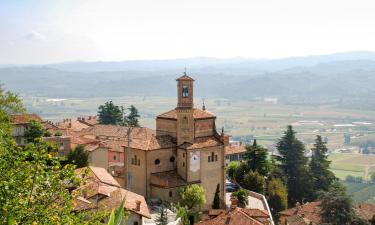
pixel 148 169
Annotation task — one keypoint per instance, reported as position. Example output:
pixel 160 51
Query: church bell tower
pixel 185 110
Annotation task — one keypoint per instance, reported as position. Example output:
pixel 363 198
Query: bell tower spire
pixel 185 91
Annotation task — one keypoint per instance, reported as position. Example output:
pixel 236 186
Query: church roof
pixel 202 142
pixel 185 77
pixel 197 114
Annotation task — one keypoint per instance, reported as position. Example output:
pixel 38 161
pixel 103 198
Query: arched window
pixel 172 159
pixel 185 91
pixel 157 161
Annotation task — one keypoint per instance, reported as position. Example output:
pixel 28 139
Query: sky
pixel 45 31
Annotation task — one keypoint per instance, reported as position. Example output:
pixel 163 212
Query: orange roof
pixel 167 179
pixel 233 217
pixel 115 137
pixel 25 118
pixel 202 142
pixel 98 174
pixel 197 114
pixel 72 124
pixel 185 77
pixel 234 149
pixel 100 182
pixel 365 210
pixel 310 211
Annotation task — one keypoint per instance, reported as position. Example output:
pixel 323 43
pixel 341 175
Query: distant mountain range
pixel 343 78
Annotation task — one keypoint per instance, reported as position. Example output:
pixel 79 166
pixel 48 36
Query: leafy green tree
pixel 277 197
pixel 182 213
pixel 216 202
pixel 78 157
pixel 109 113
pixel 240 173
pixel 191 196
pixel 256 159
pixel 34 131
pixel 58 134
pixel 231 170
pixel 242 197
pixel 132 119
pixel 162 218
pixel 337 207
pixel 253 181
pixel 294 165
pixel 319 166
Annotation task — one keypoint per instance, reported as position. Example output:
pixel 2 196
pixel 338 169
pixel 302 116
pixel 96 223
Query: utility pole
pixel 129 177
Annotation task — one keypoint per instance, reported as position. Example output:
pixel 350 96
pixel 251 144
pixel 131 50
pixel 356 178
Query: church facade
pixel 184 149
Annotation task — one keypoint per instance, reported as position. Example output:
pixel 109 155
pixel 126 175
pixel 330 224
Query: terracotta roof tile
pixel 197 114
pixel 202 142
pixel 116 137
pixel 97 174
pixel 365 210
pixel 167 179
pixel 185 77
pixel 234 149
pixel 233 217
pixel 310 211
pixel 25 118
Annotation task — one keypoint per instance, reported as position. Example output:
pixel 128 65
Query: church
pixel 184 149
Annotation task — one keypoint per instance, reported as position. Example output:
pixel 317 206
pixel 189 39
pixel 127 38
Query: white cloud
pixel 34 36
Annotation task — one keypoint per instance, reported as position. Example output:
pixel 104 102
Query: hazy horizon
pixel 45 32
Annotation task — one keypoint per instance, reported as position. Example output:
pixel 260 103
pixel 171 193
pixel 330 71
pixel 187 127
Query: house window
pixel 114 157
pixel 215 157
pixel 209 158
pixel 172 159
pixel 135 223
pixel 170 194
pixel 183 164
pixel 157 161
pixel 183 155
pixel 139 162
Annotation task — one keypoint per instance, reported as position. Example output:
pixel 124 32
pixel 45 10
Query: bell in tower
pixel 185 91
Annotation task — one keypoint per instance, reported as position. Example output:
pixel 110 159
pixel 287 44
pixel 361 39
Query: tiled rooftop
pixel 25 118
pixel 197 114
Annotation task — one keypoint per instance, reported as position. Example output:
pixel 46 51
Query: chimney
pixel 138 206
pixel 234 202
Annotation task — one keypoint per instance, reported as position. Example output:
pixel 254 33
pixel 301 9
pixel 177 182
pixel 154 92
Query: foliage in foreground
pixel 191 196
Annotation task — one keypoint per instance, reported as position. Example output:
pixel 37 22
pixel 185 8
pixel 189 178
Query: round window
pixel 157 161
pixel 172 159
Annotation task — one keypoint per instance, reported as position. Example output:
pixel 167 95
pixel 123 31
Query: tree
pixel 34 186
pixel 277 196
pixel 34 131
pixel 231 170
pixel 253 181
pixel 58 134
pixel 78 156
pixel 294 165
pixel 109 113
pixel 256 158
pixel 240 173
pixel 182 213
pixel 337 207
pixel 373 177
pixel 191 196
pixel 242 197
pixel 319 166
pixel 132 119
pixel 118 216
pixel 162 218
pixel 216 202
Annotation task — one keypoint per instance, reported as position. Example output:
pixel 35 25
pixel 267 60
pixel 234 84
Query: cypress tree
pixel 132 118
pixel 216 202
pixel 256 159
pixel 319 166
pixel 294 165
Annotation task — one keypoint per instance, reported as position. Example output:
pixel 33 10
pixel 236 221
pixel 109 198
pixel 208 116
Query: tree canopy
pixel 293 162
pixel 132 118
pixel 319 166
pixel 78 157
pixel 191 196
pixel 256 159
pixel 109 113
